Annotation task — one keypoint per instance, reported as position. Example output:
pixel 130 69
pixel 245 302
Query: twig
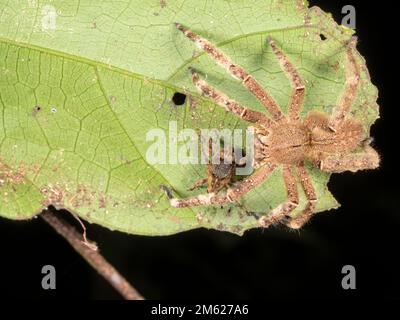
pixel 93 257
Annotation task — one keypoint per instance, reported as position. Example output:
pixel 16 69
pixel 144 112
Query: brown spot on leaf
pixel 54 195
pixel 193 102
pixel 36 110
pixel 17 175
pixel 237 229
pixel 82 197
pixel 10 176
pixel 175 219
pixel 335 66
pixel 200 217
pixel 221 227
pixel 102 202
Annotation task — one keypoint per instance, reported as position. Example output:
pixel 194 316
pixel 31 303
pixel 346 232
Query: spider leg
pixel 236 71
pixel 368 159
pixel 229 104
pixel 238 190
pixel 284 209
pixel 350 88
pixel 299 89
pixel 311 195
pixel 198 184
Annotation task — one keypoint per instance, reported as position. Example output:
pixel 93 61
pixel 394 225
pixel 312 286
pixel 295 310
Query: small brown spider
pixel 220 170
pixel 327 141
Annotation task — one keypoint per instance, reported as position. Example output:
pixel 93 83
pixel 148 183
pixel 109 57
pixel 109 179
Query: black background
pixel 274 263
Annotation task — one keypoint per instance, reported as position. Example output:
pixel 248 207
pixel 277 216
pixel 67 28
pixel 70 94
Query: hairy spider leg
pixel 298 87
pixel 232 194
pixel 309 191
pixel 284 209
pixel 199 184
pixel 368 159
pixel 236 71
pixel 230 105
pixel 350 88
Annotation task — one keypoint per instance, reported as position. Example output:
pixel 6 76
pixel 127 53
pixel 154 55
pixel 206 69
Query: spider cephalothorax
pixel 332 142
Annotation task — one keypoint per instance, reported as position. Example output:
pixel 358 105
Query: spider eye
pixel 178 98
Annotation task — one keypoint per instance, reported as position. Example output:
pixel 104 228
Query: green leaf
pixel 81 83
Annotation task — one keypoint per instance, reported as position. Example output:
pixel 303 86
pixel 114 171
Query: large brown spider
pixel 327 141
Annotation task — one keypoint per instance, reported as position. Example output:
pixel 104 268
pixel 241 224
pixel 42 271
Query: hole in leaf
pixel 323 38
pixel 178 98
